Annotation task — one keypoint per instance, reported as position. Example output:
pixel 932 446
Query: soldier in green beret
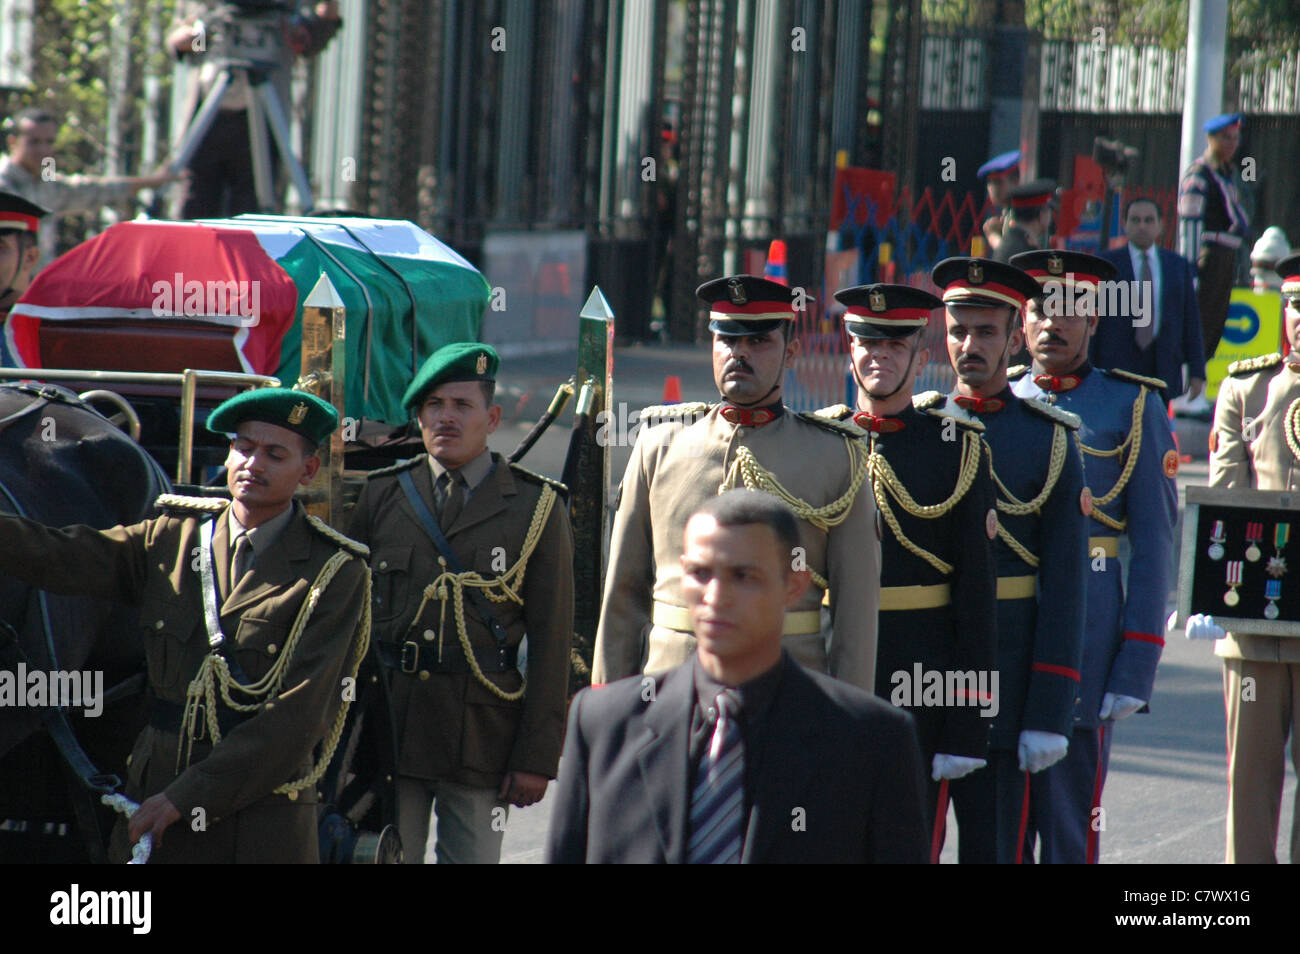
pixel 470 554
pixel 232 780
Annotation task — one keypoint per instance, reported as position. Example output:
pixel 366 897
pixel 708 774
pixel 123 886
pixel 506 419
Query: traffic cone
pixel 775 268
pixel 672 389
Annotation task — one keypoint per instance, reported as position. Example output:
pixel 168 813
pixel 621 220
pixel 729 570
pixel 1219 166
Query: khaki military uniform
pixel 237 798
pixel 1250 447
pixel 453 726
pixel 686 454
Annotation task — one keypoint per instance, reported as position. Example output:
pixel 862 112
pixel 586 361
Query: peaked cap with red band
pixel 1033 195
pixel 983 282
pixel 1070 269
pixel 747 304
pixel 885 311
pixel 19 215
pixel 1289 269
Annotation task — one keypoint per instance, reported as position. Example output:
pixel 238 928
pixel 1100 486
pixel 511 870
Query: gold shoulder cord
pixel 1133 444
pixel 1291 427
pixel 747 470
pixel 214 675
pixel 508 586
pixel 1017 508
pixel 884 479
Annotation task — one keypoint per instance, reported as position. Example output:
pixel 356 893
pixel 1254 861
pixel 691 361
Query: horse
pixel 62 462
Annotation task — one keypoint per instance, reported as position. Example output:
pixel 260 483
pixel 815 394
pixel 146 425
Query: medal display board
pixel 1239 562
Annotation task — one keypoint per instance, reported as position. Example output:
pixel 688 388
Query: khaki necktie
pixel 1145 334
pixel 241 560
pixel 451 499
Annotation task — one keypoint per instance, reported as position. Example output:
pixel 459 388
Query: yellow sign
pixel 1254 327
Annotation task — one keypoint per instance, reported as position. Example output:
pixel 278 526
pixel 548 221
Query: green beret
pixel 462 361
pixel 297 411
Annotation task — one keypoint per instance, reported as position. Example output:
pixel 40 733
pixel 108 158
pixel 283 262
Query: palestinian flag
pixel 236 288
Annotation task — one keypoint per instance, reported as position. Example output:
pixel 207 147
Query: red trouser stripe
pixel 1024 822
pixel 940 822
pixel 1065 671
pixel 1090 854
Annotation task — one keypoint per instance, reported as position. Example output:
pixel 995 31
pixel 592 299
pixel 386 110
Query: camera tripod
pixel 264 111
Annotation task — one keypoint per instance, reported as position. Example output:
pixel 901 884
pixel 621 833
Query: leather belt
pixel 411 657
pixel 1016 587
pixel 167 717
pixel 1109 546
pixel 915 597
pixel 797 623
pixel 1226 239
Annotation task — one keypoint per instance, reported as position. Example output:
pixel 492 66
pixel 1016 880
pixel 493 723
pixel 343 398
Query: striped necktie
pixel 718 802
pixel 1145 334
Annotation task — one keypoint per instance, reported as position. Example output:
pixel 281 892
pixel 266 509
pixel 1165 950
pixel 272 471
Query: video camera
pixel 1114 156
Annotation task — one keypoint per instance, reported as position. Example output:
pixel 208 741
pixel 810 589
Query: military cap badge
pixel 480 366
pixel 975 274
pixel 736 292
pixel 1054 265
pixel 298 413
pixel 876 300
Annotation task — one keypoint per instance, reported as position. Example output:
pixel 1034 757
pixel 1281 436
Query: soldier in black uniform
pixel 1030 225
pixel 937 642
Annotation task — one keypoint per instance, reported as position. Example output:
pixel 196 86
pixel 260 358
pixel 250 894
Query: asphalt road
pixel 1166 793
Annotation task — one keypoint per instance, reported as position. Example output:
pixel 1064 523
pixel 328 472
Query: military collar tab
pixel 874 424
pixel 979 405
pixel 751 416
pixel 1063 382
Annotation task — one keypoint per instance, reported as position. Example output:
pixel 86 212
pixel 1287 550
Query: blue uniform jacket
pixel 1040 639
pixel 1125 606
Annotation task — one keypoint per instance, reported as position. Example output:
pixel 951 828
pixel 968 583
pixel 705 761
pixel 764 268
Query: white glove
pixel 1040 750
pixel 1203 627
pixel 1116 705
pixel 954 766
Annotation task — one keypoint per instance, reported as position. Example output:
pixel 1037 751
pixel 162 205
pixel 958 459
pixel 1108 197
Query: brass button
pixel 424 675
pixel 383 564
pixel 429 635
pixel 740 432
pixel 159 624
pixel 272 649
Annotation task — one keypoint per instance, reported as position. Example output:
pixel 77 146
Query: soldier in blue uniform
pixel 1129 463
pixel 1041 557
pixel 931 482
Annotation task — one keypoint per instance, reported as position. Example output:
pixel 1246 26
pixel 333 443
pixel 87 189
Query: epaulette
pixel 958 416
pixel 395 468
pixel 199 504
pixel 1054 414
pixel 1251 365
pixel 928 399
pixel 1017 371
pixel 535 477
pixel 836 412
pixel 329 533
pixel 840 428
pixel 1153 384
pixel 662 413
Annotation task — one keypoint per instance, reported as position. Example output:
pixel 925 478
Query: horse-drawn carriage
pixel 155 323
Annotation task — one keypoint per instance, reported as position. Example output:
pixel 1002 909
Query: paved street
pixel 1166 793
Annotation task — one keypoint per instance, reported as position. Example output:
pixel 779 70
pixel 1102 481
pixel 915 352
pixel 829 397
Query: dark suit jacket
pixel 1177 342
pixel 842 783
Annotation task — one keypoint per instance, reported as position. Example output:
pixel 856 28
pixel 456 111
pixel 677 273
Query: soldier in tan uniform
pixel 473 736
pixel 1256 444
pixel 227 768
pixel 687 453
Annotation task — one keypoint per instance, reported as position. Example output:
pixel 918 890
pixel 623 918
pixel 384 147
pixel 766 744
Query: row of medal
pixel 1276 566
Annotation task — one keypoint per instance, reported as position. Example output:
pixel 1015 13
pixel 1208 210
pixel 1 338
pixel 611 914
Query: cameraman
pixel 222 181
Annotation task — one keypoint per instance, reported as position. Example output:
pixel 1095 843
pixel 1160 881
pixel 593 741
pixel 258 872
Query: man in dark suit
pixel 740 754
pixel 1157 349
